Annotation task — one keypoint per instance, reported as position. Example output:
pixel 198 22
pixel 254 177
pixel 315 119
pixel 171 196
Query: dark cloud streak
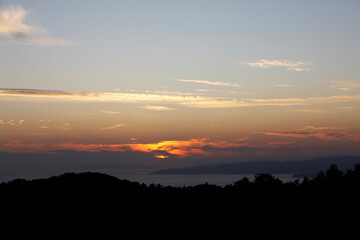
pixel 26 91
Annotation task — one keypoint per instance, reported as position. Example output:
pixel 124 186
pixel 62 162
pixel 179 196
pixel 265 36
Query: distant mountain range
pixel 298 168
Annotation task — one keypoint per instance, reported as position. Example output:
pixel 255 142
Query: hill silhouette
pixel 98 205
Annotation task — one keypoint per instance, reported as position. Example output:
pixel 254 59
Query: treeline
pixel 95 204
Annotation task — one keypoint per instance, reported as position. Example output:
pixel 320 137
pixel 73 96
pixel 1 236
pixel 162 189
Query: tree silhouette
pixel 93 204
pixel 320 177
pixel 242 182
pixel 266 179
pixel 333 173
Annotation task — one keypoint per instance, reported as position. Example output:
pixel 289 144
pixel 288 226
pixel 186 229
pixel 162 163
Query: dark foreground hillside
pixel 97 205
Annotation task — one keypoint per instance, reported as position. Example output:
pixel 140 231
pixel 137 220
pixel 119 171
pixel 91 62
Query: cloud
pixel 345 89
pixel 205 148
pixel 304 101
pixel 109 112
pixel 185 100
pixel 197 148
pixel 18 146
pixel 114 126
pixel 310 110
pixel 332 133
pixel 202 147
pixel 167 92
pixel 36 95
pixel 347 108
pixel 13 27
pixel 346 86
pixel 157 108
pixel 34 92
pixel 288 64
pixel 224 84
pixel 11 123
pixel 283 85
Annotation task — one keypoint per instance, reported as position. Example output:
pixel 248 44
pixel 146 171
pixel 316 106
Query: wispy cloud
pixel 21 94
pixel 114 126
pixel 304 101
pixel 346 86
pixel 310 110
pixel 109 112
pixel 157 108
pixel 287 64
pixel 224 84
pixel 283 85
pixel 347 108
pixel 35 92
pixel 12 26
pixel 332 133
pixel 155 99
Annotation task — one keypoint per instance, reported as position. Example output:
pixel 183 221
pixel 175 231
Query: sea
pixel 182 180
pixel 147 177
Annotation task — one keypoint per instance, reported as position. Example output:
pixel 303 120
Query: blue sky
pixel 147 44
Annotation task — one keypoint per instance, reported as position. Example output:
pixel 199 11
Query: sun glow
pixel 203 147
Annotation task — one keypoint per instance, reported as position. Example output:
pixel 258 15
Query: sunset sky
pixel 180 83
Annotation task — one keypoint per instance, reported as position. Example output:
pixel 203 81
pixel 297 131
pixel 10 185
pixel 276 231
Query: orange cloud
pixel 18 146
pixel 205 147
pixel 91 147
pixel 179 148
pixel 157 108
pixel 332 133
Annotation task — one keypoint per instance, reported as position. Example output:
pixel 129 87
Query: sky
pixel 179 83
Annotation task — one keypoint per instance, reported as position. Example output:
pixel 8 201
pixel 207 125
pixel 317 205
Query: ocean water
pixel 178 180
